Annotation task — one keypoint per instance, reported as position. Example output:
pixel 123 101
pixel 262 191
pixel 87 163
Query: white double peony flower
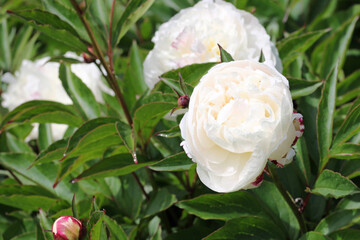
pixel 192 35
pixel 39 80
pixel 240 116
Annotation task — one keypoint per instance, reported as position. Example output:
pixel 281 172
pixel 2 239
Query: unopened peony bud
pixel 67 228
pixel 183 101
pixel 87 58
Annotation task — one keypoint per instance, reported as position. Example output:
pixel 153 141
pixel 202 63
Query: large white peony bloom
pixel 39 80
pixel 240 116
pixel 192 35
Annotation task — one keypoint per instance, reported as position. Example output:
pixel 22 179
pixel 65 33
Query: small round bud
pixel 67 228
pixel 87 58
pixel 183 101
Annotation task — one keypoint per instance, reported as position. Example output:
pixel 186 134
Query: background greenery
pixel 319 44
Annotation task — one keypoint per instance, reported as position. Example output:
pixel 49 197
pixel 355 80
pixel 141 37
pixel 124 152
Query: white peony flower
pixel 39 80
pixel 240 116
pixel 192 35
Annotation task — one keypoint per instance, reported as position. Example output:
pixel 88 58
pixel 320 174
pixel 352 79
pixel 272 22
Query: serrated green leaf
pixel 133 11
pixel 160 201
pixel 325 116
pixel 224 206
pixel 116 165
pixel 79 93
pixel 332 184
pixel 176 162
pixel 249 227
pixel 116 231
pixel 337 220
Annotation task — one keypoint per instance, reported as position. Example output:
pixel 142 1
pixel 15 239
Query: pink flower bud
pixel 67 228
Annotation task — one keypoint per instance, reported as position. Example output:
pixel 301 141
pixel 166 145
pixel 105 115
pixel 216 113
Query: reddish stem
pixel 110 54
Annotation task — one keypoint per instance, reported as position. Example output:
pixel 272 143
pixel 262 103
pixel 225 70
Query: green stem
pixel 288 199
pixel 111 77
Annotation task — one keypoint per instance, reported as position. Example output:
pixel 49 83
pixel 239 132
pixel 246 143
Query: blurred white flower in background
pixel 240 116
pixel 39 80
pixel 192 35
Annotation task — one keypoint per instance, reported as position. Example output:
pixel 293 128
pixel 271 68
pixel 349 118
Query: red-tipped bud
pixel 87 58
pixel 183 101
pixel 67 228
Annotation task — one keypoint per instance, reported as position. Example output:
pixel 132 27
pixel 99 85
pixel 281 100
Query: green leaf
pixel 350 202
pixel 349 128
pixel 134 83
pixel 303 160
pixel 160 201
pixel 74 208
pixel 348 89
pixel 280 210
pixel 66 14
pixel 345 234
pixel 42 112
pixel 126 135
pixel 325 116
pixel 176 162
pixel 45 137
pixel 249 227
pixel 332 184
pixel 45 225
pixel 53 152
pixel 333 49
pixel 94 225
pixel 53 27
pixel 191 75
pixel 133 11
pixel 116 165
pixel 300 88
pixel 337 220
pixel 116 231
pixel 5 53
pixel 223 206
pixel 27 203
pixel 345 151
pixel 147 116
pixel 289 48
pixel 80 94
pixel 313 236
pixel 224 55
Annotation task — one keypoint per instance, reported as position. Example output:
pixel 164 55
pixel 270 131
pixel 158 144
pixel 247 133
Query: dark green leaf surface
pixel 224 55
pixel 224 206
pixel 250 227
pixel 161 201
pixel 337 220
pixel 300 88
pixel 176 162
pixel 348 89
pixel 332 184
pixel 116 231
pixel 117 165
pixel 325 116
pixel 346 234
pixel 313 236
